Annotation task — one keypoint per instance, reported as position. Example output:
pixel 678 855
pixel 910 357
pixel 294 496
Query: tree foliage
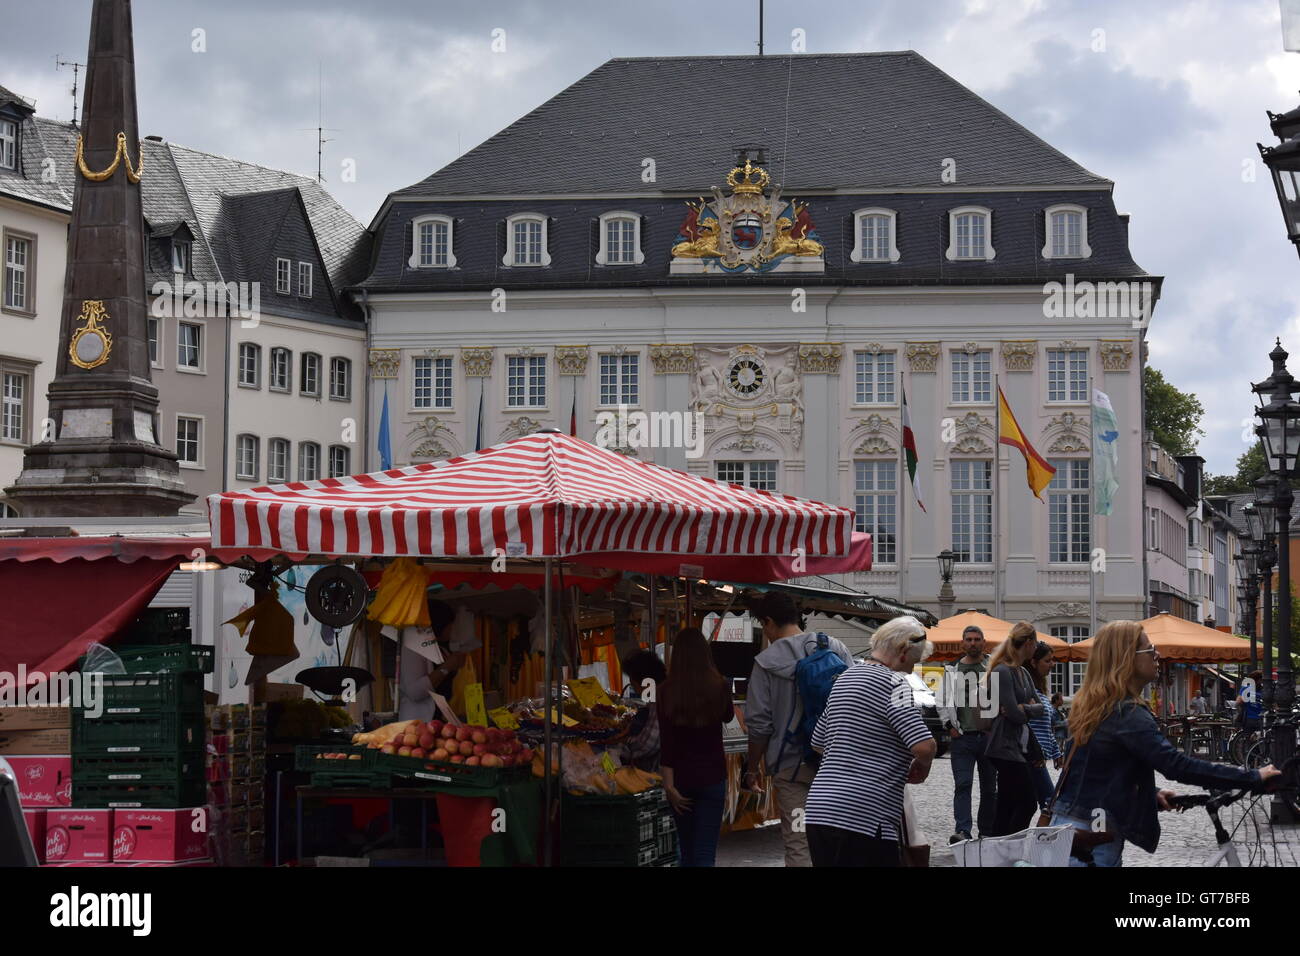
pixel 1173 416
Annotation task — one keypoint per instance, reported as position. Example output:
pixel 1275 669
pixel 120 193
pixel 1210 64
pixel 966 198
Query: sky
pixel 1165 98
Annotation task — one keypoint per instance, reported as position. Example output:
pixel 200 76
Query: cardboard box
pixel 49 741
pixel 44 781
pixel 35 820
pixel 34 718
pixel 160 836
pixel 73 836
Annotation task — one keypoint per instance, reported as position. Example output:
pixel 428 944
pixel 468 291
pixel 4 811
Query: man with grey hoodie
pixel 772 709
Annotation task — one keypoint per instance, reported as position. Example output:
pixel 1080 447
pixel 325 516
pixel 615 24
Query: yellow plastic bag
pixel 464 677
pixel 400 600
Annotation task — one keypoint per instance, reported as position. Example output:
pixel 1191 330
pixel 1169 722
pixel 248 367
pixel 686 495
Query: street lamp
pixel 1264 513
pixel 946 596
pixel 1283 161
pixel 1245 561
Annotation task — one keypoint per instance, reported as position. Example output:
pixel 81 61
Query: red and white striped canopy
pixel 543 495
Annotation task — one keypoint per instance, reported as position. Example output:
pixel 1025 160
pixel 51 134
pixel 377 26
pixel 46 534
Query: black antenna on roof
pixel 321 129
pixel 760 27
pixel 76 72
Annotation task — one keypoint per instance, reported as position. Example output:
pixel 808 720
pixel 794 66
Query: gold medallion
pixel 91 344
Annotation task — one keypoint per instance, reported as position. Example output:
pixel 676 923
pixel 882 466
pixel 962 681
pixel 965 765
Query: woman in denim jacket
pixel 1115 748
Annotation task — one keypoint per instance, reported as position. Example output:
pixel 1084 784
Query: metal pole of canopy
pixel 548 704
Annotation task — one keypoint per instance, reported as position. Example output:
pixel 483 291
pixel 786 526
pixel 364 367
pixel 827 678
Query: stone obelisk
pixel 99 452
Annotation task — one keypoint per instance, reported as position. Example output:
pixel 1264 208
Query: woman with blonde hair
pixel 1115 747
pixel 873 741
pixel 1011 746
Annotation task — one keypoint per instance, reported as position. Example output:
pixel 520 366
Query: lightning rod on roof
pixel 760 27
pixel 59 62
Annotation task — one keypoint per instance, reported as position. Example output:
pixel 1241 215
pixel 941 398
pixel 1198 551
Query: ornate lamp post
pixel 1266 558
pixel 1245 562
pixel 946 596
pixel 1283 162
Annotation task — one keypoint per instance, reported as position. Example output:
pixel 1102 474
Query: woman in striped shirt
pixel 1039 666
pixel 873 741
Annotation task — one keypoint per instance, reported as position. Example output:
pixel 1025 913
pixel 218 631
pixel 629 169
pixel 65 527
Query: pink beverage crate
pixel 79 836
pixel 35 820
pixel 160 836
pixel 44 781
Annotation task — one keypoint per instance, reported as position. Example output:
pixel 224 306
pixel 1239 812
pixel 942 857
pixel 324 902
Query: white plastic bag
pixel 1037 846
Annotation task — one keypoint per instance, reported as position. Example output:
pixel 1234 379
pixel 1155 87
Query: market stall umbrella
pixel 1182 641
pixel 946 636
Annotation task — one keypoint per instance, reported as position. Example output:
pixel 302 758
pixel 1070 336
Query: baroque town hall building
pixel 785 245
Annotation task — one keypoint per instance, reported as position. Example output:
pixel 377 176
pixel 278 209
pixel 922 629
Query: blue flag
pixel 1105 453
pixel 385 440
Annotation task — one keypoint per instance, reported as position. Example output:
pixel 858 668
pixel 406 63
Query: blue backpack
pixel 814 676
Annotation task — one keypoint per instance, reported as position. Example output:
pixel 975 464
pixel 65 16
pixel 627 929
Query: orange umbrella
pixel 946 636
pixel 1183 641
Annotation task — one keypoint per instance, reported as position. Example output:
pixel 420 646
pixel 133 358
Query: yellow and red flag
pixel 1037 471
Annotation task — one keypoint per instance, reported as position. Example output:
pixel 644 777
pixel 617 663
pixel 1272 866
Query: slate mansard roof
pixel 217 198
pixel 863 130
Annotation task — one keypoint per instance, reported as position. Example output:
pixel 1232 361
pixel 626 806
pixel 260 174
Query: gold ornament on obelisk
pixel 119 157
pixel 91 344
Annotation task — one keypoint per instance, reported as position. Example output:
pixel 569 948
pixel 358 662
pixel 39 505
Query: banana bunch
pixel 400 599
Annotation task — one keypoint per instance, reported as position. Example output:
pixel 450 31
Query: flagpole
pixel 997 497
pixel 1092 509
pixel 902 496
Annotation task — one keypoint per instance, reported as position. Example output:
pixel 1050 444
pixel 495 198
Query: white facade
pixel 29 336
pixel 802 426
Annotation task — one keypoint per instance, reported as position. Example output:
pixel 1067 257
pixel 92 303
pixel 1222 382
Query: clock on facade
pixel 745 377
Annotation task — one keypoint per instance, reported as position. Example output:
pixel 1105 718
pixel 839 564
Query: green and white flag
pixel 1105 453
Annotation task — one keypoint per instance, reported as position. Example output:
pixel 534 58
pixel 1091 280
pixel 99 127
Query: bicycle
pixel 1259 841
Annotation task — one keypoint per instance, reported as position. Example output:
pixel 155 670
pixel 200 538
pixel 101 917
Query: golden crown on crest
pixel 754 179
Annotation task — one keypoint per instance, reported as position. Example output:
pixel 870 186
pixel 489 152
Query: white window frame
pixel 247 475
pixel 271 446
pixel 304 280
pixel 255 351
pixel 288 370
pixel 953 215
pixel 199 369
pixel 619 382
pixel 302 374
pixel 970 399
pixel 283 276
pixel 508 259
pixel 859 253
pixel 1085 250
pixel 436 364
pixel 1067 376
pixel 155 322
pixel 1067 677
pixel 303 448
pixel 1058 489
pixel 416 262
pixel 968 491
pixel 528 385
pixel 197 464
pixel 347 463
pixel 336 362
pixel 24 404
pixel 771 480
pixel 181 257
pixel 875 400
pixel 8 144
pixel 27 269
pixel 603 255
pixel 876 492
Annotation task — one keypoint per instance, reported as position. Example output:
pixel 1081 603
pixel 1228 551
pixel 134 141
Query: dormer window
pixel 1067 232
pixel 180 256
pixel 620 240
pixel 431 243
pixel 876 238
pixel 8 144
pixel 283 272
pixel 304 280
pixel 970 233
pixel 526 241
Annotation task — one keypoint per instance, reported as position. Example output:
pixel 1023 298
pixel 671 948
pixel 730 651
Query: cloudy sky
pixel 1164 97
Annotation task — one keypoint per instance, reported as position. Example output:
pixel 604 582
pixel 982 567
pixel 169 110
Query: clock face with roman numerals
pixel 745 377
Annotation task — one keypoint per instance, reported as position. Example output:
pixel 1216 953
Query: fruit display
pixel 338 756
pixel 587 770
pixel 440 742
pixel 599 722
pixel 401 600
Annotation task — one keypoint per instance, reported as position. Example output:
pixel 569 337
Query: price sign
pixel 502 717
pixel 563 719
pixel 444 708
pixel 474 710
pixel 588 692
pixel 608 763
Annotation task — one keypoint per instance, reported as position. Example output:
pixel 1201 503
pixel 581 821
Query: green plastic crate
pixel 168 658
pixel 158 734
pixel 628 819
pixel 148 694
pixel 416 771
pixel 139 781
pixel 333 774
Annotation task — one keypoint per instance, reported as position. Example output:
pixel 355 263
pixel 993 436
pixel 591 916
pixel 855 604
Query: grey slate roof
pixel 855 121
pixel 191 186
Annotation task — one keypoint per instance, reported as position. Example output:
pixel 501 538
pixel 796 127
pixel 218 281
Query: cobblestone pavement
pixel 1186 839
